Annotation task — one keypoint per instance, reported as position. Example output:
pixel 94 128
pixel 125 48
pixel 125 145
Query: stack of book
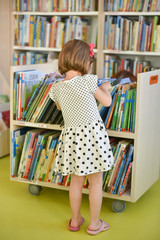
pixel 33 153
pixel 131 5
pixel 27 58
pixel 124 34
pixel 120 116
pixel 31 97
pixel 113 64
pixel 40 31
pixel 54 5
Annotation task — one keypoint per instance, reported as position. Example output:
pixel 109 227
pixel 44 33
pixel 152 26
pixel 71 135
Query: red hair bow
pixel 91 45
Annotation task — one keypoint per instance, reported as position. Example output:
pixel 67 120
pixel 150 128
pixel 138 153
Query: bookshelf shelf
pixel 120 134
pixel 87 13
pixel 130 14
pixel 42 49
pixel 37 125
pixel 125 197
pixel 135 53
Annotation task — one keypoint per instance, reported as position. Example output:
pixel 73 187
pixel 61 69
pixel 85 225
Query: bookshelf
pixel 145 170
pixel 99 13
pixel 140 180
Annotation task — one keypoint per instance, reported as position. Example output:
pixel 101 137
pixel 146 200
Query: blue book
pixel 143 37
pixel 106 31
pixel 35 158
pixel 129 157
pixel 14 160
pixel 41 33
pixel 114 98
pixel 119 175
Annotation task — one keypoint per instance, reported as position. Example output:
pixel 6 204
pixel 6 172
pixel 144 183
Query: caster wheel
pixel 34 190
pixel 118 206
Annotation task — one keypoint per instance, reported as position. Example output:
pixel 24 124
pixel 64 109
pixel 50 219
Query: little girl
pixel 84 148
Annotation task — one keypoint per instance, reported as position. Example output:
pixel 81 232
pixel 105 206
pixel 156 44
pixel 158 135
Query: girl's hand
pixel 106 85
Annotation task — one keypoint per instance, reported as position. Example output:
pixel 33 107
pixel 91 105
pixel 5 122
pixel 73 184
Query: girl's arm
pixel 102 94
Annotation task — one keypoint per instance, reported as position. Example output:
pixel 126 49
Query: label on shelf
pixel 21 123
pixel 153 79
pixel 41 125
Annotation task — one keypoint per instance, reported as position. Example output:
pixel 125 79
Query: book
pixel 126 110
pixel 122 146
pixel 110 111
pixel 128 162
pixel 18 137
pixel 126 179
pixel 116 110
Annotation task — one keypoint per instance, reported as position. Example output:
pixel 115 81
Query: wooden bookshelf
pixel 145 170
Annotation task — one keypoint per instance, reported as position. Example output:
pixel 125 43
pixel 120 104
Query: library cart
pixel 146 157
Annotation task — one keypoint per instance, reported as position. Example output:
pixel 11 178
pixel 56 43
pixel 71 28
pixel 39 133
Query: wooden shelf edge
pixel 125 197
pixel 131 13
pixel 132 53
pixel 37 125
pixel 44 49
pixel 87 13
pixel 120 134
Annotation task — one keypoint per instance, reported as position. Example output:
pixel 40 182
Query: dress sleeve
pixel 91 81
pixel 53 92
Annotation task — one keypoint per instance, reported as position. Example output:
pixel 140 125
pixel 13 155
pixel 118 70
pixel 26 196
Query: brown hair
pixel 125 73
pixel 75 55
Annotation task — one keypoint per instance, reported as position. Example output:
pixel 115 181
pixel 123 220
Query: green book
pixel 126 109
pixel 129 111
pixel 35 103
pixel 153 32
pixel 134 111
pixel 114 120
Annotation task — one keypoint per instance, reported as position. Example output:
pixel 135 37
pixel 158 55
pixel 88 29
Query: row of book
pixel 132 5
pixel 122 33
pixel 31 101
pixel 27 58
pixel 113 64
pixel 40 31
pixel 34 152
pixel 54 5
pixel 120 116
pixel 30 150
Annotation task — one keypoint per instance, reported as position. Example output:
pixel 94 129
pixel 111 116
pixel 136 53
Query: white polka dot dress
pixel 84 146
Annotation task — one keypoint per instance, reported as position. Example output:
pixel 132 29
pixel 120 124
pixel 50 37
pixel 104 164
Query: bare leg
pixel 75 195
pixel 95 199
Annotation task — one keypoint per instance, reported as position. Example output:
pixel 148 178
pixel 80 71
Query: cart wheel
pixel 34 189
pixel 118 206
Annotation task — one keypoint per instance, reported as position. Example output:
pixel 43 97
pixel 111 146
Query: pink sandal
pixel 75 229
pixel 104 227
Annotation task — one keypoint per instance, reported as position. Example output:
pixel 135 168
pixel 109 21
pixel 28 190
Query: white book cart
pixel 146 157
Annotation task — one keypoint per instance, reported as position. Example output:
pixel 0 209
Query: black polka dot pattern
pixel 84 144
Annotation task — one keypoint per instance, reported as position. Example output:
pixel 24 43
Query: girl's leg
pixel 75 195
pixel 95 199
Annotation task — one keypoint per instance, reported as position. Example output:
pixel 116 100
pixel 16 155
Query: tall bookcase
pixel 99 14
pixel 146 138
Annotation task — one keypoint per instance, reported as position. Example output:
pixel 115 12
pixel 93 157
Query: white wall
pixel 5 37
